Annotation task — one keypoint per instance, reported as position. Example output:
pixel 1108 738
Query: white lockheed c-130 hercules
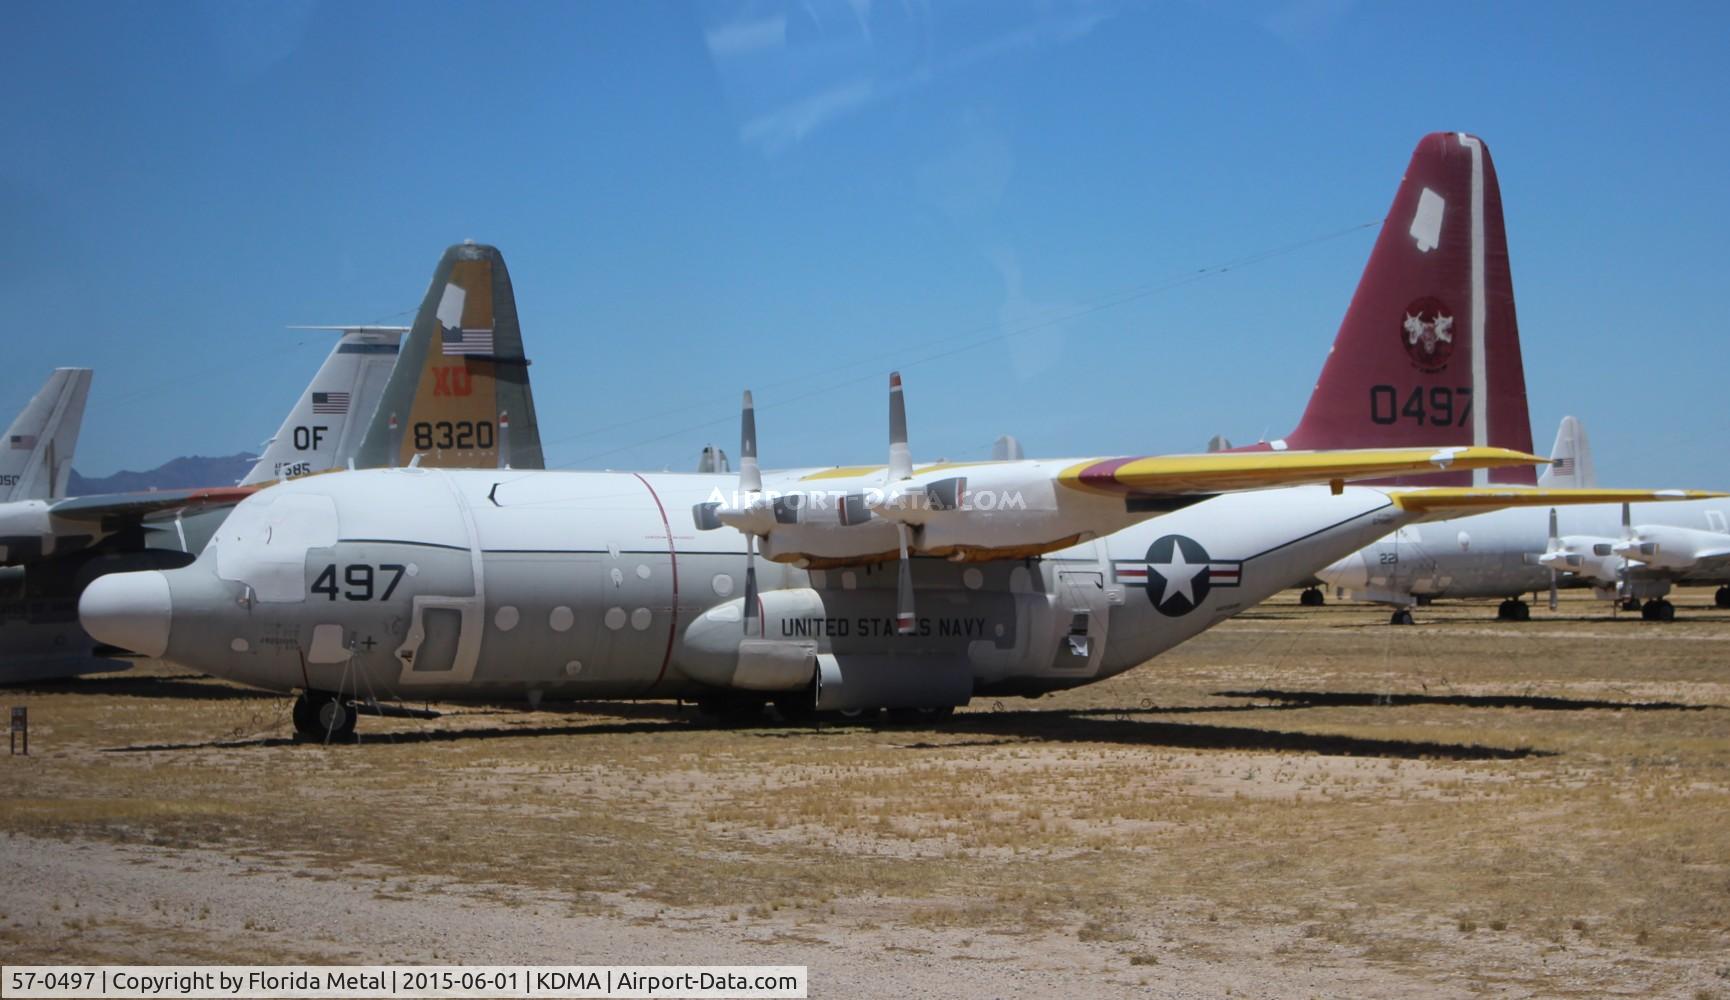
pixel 898 586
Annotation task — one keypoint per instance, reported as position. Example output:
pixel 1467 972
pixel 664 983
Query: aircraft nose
pixel 1352 572
pixel 129 610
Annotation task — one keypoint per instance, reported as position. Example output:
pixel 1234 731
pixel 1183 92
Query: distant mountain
pixel 177 473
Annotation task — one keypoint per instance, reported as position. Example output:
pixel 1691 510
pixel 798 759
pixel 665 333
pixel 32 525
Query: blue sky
pixel 797 197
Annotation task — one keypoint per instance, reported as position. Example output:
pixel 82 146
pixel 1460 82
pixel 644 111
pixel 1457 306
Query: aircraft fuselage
pixel 489 585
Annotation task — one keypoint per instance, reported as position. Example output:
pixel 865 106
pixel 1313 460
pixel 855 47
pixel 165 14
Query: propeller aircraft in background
pixel 1513 552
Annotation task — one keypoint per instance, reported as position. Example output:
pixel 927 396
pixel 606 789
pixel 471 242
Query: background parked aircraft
pixel 324 428
pixel 36 456
pixel 1634 555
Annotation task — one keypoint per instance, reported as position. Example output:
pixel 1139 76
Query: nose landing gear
pixel 320 715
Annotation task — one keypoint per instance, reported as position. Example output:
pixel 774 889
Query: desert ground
pixel 1302 802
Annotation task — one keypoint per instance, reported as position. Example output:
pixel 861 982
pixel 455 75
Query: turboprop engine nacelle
pixel 1585 556
pixel 1664 547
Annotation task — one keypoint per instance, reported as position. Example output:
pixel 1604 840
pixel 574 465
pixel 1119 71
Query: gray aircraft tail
pixel 324 428
pixel 36 457
pixel 461 383
pixel 1570 459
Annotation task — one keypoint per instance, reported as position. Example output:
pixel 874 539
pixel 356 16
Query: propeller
pixel 900 470
pixel 749 512
pixel 1555 546
pixel 1625 586
pixel 750 483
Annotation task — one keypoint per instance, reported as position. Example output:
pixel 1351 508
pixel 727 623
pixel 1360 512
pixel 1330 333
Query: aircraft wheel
pixel 1632 604
pixel 1312 598
pixel 1522 611
pixel 1662 611
pixel 733 708
pixel 1723 597
pixel 1401 617
pixel 321 715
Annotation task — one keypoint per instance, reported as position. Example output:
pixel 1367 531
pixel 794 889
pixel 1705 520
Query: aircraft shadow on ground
pixel 1101 725
pixel 1347 699
pixel 395 739
pixel 1068 727
pixel 127 686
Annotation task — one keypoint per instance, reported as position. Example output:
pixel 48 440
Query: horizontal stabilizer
pixel 1444 502
pixel 1218 472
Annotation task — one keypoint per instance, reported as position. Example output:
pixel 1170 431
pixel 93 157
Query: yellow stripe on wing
pixel 1220 472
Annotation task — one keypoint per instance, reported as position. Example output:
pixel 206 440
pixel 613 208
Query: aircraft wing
pixel 135 506
pixel 1222 472
pixel 1443 502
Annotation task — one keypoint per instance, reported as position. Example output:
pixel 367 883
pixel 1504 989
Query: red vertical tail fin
pixel 1429 352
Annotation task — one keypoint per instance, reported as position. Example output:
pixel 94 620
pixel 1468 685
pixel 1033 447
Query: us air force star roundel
pixel 1178 574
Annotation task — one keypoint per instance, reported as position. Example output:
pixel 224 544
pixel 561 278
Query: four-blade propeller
pixel 900 501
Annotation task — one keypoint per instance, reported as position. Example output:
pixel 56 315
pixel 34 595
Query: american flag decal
pixel 465 341
pixel 23 442
pixel 330 402
pixel 1563 465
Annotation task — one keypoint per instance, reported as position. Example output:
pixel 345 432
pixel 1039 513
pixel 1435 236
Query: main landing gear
pixel 1658 610
pixel 1723 597
pixel 734 708
pixel 321 715
pixel 1514 610
pixel 1402 616
pixel 1312 597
